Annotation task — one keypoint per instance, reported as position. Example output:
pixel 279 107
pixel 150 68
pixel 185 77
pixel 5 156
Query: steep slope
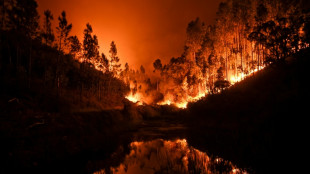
pixel 251 121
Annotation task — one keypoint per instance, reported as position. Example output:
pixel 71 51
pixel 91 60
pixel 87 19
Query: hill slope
pixel 251 121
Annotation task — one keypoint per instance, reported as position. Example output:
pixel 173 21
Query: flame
pixel 183 102
pixel 135 98
pixel 182 105
pixel 241 76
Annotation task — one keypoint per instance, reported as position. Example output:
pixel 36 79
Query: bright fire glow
pixel 172 156
pixel 135 98
pixel 202 93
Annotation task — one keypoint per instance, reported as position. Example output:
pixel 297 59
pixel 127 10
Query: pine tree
pixel 157 65
pixel 75 46
pixel 115 66
pixel 142 70
pixel 90 44
pixel 47 33
pixel 63 30
pixel 195 32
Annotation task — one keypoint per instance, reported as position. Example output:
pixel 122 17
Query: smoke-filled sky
pixel 143 30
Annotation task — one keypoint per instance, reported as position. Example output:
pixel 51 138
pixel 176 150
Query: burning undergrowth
pixel 246 38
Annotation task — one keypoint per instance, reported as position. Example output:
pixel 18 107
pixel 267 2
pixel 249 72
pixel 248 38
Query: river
pixel 161 147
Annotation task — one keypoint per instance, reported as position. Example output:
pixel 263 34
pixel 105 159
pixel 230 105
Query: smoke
pixel 142 30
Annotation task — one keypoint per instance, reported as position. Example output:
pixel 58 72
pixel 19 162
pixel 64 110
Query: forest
pixel 54 68
pixel 66 107
pixel 246 37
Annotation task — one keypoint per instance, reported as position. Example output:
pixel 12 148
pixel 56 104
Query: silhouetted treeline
pixel 33 58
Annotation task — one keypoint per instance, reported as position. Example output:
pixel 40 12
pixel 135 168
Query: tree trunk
pixel 252 63
pixel 60 38
pixel 81 92
pixel 57 75
pixel 10 54
pixel 30 65
pixel 240 46
pixel 17 56
pixel 157 85
pixel 264 58
pixel 99 90
pixel 258 57
pixel 226 61
pixel 3 15
pixel 109 84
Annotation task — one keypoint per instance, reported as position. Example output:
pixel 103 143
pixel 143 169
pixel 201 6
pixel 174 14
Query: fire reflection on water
pixel 161 156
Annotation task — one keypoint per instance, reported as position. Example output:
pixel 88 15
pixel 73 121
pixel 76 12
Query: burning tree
pixel 247 36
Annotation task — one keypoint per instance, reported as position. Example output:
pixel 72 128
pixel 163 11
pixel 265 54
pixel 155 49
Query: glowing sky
pixel 143 30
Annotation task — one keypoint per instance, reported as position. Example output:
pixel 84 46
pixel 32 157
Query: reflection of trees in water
pixel 160 156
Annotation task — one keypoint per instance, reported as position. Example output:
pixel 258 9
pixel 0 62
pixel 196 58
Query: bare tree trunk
pixel 226 61
pixel 57 75
pixel 157 85
pixel 240 47
pixel 264 60
pixel 246 55
pixel 60 41
pixel 109 84
pixel 81 92
pixel 17 55
pixel 99 90
pixel 252 57
pixel 30 65
pixel 258 57
pixel 3 14
pixel 10 55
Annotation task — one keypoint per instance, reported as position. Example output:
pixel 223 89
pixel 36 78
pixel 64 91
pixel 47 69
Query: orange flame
pixel 135 98
pixel 202 93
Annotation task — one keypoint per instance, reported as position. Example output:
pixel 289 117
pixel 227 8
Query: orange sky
pixel 143 30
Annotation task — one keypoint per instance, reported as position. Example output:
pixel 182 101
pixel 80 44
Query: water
pixel 160 149
pixel 169 156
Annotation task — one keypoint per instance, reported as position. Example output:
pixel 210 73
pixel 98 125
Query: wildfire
pixel 181 101
pixel 135 98
pixel 182 104
pixel 241 76
pixel 202 93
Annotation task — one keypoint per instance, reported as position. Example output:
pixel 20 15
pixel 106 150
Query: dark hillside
pixel 52 80
pixel 258 121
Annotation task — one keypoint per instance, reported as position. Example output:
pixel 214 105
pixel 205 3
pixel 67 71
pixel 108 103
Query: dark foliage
pixel 251 122
pixel 30 67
